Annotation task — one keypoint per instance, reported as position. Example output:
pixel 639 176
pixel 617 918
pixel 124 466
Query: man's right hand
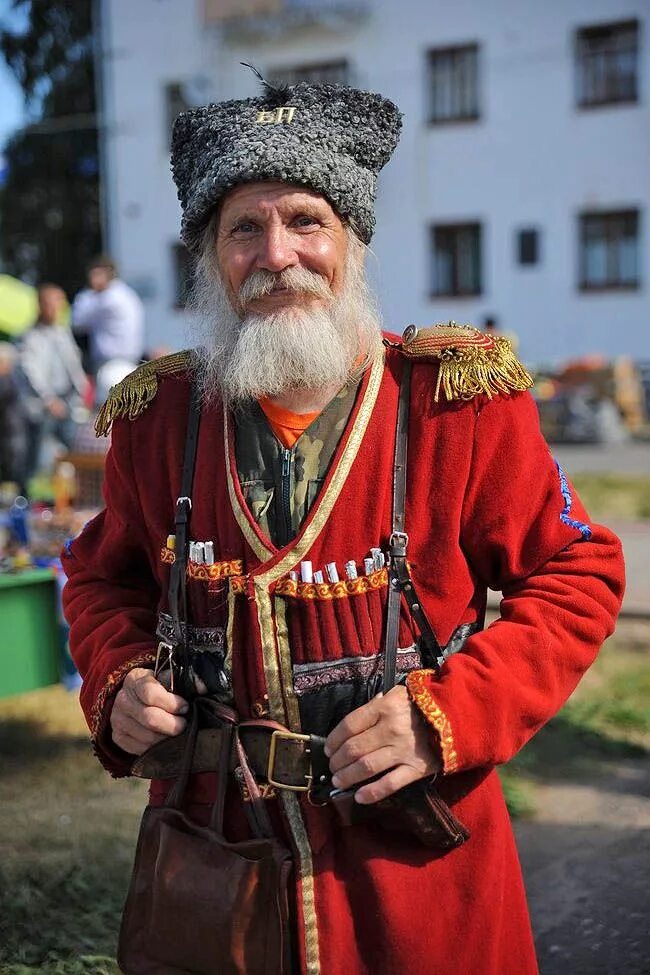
pixel 145 712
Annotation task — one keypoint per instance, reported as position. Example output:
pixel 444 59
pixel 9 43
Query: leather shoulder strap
pixel 399 576
pixel 178 573
pixel 398 538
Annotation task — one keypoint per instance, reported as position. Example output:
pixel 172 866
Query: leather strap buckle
pixel 286 736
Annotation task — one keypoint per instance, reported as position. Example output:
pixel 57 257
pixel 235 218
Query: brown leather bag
pixel 197 904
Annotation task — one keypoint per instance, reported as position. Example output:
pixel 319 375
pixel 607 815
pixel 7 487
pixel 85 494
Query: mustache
pixel 298 280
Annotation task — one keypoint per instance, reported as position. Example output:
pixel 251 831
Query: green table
pixel 30 654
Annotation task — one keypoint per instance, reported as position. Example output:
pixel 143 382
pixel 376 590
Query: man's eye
pixel 244 227
pixel 305 221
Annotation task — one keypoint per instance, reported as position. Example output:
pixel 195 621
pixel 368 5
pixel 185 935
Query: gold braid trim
pixel 332 590
pixel 112 682
pixel 133 395
pixel 200 570
pixel 419 693
pixel 471 362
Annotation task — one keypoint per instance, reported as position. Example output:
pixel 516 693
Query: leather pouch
pixel 417 809
pixel 199 904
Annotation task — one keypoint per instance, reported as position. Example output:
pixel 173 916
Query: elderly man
pixel 323 558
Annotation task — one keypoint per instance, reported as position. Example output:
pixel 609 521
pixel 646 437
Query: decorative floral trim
pixel 198 570
pixel 238 584
pixel 332 590
pixel 112 682
pixel 417 686
pixel 584 530
pixel 209 638
pixel 314 676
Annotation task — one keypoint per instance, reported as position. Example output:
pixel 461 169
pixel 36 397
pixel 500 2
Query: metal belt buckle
pixel 398 540
pixel 270 769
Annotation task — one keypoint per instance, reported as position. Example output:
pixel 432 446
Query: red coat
pixel 487 506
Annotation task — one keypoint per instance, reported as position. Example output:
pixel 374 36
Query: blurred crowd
pixel 55 377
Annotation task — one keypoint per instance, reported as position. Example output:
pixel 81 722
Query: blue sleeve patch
pixel 565 515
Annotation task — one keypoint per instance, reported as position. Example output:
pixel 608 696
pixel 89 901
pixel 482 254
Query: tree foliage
pixel 49 205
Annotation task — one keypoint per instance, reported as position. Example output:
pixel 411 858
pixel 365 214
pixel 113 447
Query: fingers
pixel 392 782
pixel 144 713
pixel 141 685
pixel 354 724
pixel 368 765
pixel 359 746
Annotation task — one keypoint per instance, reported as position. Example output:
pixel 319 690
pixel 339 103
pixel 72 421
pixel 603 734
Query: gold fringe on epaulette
pixel 132 396
pixel 469 371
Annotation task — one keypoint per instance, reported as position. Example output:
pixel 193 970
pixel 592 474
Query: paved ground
pixel 635 536
pixel 628 458
pixel 586 862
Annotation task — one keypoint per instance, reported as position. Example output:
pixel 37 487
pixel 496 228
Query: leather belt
pixel 277 756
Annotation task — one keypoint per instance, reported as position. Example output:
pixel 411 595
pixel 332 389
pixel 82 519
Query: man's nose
pixel 276 250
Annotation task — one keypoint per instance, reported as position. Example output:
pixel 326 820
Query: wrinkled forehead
pixel 264 197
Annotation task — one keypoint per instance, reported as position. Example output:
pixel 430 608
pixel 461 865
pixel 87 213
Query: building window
pixel 528 246
pixel 456 259
pixel 609 250
pixel 453 83
pixel 183 274
pixel 323 73
pixel 175 103
pixel 607 64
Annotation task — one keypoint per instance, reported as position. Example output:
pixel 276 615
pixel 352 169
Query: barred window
pixel 456 253
pixel 324 72
pixel 453 83
pixel 607 63
pixel 609 250
pixel 183 268
pixel 175 103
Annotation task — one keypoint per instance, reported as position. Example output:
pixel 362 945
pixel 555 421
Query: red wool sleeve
pixel 110 599
pixel 526 533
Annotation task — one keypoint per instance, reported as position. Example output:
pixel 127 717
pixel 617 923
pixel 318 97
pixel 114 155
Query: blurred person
pixel 290 626
pixel 53 378
pixel 110 314
pixel 13 421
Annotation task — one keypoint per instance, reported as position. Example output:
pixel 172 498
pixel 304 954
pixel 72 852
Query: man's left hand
pixel 386 735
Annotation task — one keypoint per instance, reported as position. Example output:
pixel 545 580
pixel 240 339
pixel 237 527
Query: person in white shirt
pixel 111 314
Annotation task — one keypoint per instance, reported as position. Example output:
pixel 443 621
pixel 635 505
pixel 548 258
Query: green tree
pixel 49 204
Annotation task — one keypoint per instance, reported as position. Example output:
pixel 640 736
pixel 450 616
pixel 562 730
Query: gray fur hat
pixel 330 138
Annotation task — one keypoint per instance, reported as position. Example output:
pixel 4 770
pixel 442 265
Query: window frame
pixel 612 241
pixel 455 228
pixel 451 52
pixel 519 246
pixel 581 55
pixel 183 274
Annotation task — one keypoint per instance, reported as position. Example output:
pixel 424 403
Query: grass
pixel 67 831
pixel 614 495
pixel 606 720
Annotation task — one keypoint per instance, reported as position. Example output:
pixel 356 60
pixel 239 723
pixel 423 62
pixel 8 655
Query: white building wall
pixel 532 160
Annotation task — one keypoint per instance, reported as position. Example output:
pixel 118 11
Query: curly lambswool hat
pixel 330 138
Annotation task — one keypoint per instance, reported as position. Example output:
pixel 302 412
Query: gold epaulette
pixel 471 362
pixel 133 395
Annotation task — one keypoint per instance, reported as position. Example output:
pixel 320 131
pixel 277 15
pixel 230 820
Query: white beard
pixel 246 356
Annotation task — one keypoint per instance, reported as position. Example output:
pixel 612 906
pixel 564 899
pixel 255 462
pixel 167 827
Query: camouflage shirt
pixel 280 485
